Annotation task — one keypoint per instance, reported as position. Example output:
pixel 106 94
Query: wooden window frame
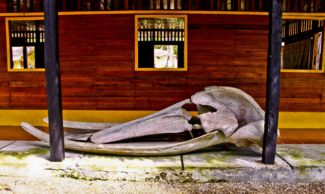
pixel 136 47
pixel 8 41
pixel 302 16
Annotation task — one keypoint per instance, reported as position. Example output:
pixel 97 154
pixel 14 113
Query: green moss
pixel 295 154
pixel 302 162
pixel 302 170
pixel 75 174
pixel 16 159
pixel 24 154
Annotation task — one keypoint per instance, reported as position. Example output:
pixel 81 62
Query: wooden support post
pixel 64 5
pixel 175 4
pixel 53 80
pixel 247 5
pixel 273 82
pixel 126 4
pixel 24 5
pixel 260 5
pixel 19 8
pixel 79 5
pixel 234 5
pixel 162 4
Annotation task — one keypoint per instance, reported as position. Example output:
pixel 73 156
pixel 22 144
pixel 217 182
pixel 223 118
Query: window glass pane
pixel 165 56
pixel 161 42
pixel 27 44
pixel 18 57
pixel 302 45
pixel 30 57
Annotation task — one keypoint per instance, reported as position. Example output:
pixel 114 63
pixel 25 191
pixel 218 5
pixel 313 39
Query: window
pixel 25 44
pixel 160 43
pixel 302 45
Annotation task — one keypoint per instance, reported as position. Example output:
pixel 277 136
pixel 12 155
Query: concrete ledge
pixel 235 166
pixel 306 160
pixel 30 160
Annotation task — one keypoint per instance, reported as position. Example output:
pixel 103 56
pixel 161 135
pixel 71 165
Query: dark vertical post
pixel 260 5
pixel 18 6
pixel 168 4
pixel 175 4
pixel 126 4
pixel 273 82
pixel 24 5
pixel 234 5
pixel 53 80
pixel 162 4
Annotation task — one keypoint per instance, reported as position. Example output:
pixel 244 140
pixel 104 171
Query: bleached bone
pixel 78 136
pixel 224 121
pixel 102 136
pixel 87 126
pixel 240 103
pixel 174 121
pixel 251 133
pixel 136 149
pixel 211 102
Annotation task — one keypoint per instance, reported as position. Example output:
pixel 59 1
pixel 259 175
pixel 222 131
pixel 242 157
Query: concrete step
pixel 294 163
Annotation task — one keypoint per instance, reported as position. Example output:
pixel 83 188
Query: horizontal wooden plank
pixel 97 66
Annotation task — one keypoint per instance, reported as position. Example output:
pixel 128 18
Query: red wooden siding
pixel 3 6
pixel 4 86
pixel 97 66
pixel 217 5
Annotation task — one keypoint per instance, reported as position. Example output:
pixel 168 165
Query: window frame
pixel 8 41
pixel 136 46
pixel 302 16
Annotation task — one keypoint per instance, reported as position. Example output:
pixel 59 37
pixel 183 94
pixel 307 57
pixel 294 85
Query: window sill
pixel 301 71
pixel 160 69
pixel 27 70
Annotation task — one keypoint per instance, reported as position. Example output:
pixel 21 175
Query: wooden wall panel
pixel 4 86
pixel 97 66
pixel 19 90
pixel 3 6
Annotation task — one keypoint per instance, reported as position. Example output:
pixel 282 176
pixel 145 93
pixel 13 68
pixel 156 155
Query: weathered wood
pixel 53 80
pixel 273 83
pixel 228 50
pixel 137 149
pixel 249 5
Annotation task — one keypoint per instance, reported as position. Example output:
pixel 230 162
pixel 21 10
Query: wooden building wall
pixel 3 6
pixel 97 66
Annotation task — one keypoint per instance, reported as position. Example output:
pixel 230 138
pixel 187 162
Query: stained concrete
pixel 294 163
pixel 235 165
pixel 306 160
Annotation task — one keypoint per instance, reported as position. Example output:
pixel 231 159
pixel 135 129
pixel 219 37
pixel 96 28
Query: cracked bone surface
pixel 240 103
pixel 226 114
pixel 252 133
pixel 173 121
pixel 102 136
pixel 224 121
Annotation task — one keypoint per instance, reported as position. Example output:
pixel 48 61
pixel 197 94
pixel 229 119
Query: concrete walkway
pixel 294 163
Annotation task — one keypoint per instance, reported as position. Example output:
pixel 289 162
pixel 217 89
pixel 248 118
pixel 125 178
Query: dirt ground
pixel 67 185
